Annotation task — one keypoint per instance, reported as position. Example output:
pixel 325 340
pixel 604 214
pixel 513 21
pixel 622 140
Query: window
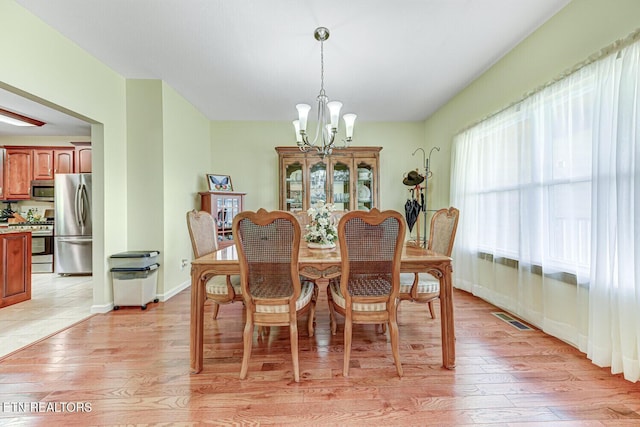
pixel 527 178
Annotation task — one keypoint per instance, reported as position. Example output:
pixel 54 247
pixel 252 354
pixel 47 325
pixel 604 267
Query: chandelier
pixel 328 114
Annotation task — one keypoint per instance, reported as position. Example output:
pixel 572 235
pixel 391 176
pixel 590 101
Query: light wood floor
pixel 132 367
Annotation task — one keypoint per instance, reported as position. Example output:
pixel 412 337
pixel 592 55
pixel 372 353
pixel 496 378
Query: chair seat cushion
pixel 306 293
pixel 427 284
pixel 337 297
pixel 217 285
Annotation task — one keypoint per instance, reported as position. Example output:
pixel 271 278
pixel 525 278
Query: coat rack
pixel 427 173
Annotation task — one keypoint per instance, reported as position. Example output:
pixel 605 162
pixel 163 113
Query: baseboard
pixel 174 291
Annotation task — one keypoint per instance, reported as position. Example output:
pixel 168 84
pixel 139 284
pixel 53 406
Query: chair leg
pixel 431 310
pixel 216 306
pixel 395 345
pixel 348 326
pixel 332 313
pixel 248 342
pixel 312 310
pixel 293 336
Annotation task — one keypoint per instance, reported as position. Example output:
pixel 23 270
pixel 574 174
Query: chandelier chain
pixel 322 68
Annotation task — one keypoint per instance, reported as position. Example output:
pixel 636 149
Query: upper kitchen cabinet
pixel 63 161
pixel 82 157
pixel 18 173
pixel 49 161
pixel 349 178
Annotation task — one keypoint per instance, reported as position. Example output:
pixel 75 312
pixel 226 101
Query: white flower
pixel 322 228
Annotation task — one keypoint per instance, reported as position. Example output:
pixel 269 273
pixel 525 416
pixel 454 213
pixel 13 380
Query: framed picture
pixel 219 182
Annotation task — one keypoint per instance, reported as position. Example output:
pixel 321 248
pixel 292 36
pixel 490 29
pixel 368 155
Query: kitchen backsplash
pixel 37 208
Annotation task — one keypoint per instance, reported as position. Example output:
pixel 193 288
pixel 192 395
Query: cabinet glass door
pixel 341 191
pixel 318 183
pixel 365 190
pixel 294 187
pixel 227 208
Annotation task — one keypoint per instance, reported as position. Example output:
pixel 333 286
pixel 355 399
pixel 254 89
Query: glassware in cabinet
pixel 341 183
pixel 294 187
pixel 317 183
pixel 332 179
pixel 223 206
pixel 365 192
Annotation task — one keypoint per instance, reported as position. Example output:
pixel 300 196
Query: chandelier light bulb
pixel 349 120
pixel 334 111
pixel 303 114
pixel 296 126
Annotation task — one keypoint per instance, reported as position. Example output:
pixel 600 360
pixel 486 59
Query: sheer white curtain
pixel 521 180
pixel 548 193
pixel 614 294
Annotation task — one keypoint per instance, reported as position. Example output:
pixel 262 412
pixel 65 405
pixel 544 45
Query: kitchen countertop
pixel 9 230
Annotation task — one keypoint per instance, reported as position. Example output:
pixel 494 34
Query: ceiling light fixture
pixel 16 119
pixel 328 114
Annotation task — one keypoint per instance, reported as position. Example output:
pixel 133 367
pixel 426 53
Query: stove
pixel 39 228
pixel 41 244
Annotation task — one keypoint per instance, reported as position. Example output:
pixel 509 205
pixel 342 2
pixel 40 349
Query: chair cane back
pixel 274 294
pixel 424 287
pixel 204 240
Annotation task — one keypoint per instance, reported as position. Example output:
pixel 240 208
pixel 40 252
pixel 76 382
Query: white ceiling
pixel 254 60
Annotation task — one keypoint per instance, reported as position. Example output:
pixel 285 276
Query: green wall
pixel 246 151
pixel 578 31
pixel 42 65
pixel 150 147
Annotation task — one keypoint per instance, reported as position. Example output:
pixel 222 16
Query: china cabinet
pixel 223 206
pixel 349 178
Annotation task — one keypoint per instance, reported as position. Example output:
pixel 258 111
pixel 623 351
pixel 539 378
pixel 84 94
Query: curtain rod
pixel 616 46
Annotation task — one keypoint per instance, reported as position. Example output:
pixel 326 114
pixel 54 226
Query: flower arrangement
pixel 322 229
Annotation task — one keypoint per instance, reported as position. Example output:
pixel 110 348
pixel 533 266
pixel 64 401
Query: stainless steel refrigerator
pixel 73 225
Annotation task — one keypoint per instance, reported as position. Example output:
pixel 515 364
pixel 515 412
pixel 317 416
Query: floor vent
pixel 512 321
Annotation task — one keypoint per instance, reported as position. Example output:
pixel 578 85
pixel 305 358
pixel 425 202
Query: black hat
pixel 413 178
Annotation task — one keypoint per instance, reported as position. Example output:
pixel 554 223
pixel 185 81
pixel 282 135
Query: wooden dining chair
pixel 424 287
pixel 367 290
pixel 274 294
pixel 204 240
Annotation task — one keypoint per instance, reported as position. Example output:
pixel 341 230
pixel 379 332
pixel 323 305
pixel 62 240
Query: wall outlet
pixel 184 263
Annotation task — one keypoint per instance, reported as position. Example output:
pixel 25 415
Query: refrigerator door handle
pixel 76 207
pixel 82 205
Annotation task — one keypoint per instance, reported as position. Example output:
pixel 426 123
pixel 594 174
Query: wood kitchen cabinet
pixel 20 165
pixel 349 178
pixel 18 173
pixel 83 158
pixel 15 268
pixel 223 206
pixel 2 159
pixel 63 161
pixel 49 161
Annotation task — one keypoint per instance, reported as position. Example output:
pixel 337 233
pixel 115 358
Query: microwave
pixel 42 190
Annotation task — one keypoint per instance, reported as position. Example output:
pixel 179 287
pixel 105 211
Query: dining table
pixel 320 264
